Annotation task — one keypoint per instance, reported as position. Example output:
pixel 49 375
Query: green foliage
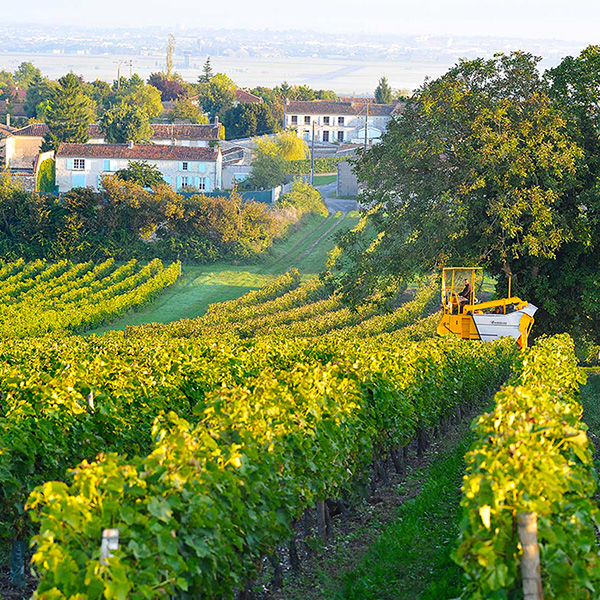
pixel 125 123
pixel 39 91
pixel 383 92
pixel 46 180
pixel 69 114
pixel 304 432
pixel 304 198
pixel 142 173
pixel 186 110
pixel 207 72
pixel 39 297
pixel 322 165
pixel 138 95
pixel 247 120
pixel 217 95
pixel 268 171
pixel 125 221
pixel 477 170
pixel 532 454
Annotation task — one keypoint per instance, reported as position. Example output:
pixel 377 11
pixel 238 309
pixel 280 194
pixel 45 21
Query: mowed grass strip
pixel 202 285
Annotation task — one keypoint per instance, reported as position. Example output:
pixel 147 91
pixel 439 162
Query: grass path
pixel 399 547
pixel 306 248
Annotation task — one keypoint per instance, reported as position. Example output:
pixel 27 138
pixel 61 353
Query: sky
pixel 576 20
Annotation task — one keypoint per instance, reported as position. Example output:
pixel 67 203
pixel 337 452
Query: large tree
pixel 39 95
pixel 207 72
pixel 218 94
pixel 170 88
pixel 142 173
pixel 383 92
pixel 69 114
pixel 247 120
pixel 125 123
pixel 480 169
pixel 186 110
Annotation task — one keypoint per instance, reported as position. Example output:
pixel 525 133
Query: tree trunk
pixel 294 558
pixel 277 580
pixel 321 525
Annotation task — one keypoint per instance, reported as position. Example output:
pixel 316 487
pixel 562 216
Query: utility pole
pixel 312 154
pixel 367 127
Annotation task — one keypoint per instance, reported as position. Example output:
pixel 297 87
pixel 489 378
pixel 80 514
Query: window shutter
pixel 202 167
pixel 196 182
pixel 70 164
pixel 167 180
pixel 207 184
pixel 107 165
pixel 181 166
pixel 178 183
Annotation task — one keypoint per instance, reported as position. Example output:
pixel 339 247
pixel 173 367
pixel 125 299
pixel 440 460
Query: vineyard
pixel 41 297
pixel 205 442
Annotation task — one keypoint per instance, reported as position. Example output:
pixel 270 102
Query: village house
pixel 338 122
pixel 182 167
pixel 20 147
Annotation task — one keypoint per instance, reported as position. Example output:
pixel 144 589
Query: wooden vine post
pixel 530 561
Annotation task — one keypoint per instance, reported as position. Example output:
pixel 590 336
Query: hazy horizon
pixel 533 19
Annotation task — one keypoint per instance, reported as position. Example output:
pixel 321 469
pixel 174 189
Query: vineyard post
pixel 110 542
pixel 530 561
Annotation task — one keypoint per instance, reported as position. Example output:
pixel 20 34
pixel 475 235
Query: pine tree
pixel 383 92
pixel 69 114
pixel 207 72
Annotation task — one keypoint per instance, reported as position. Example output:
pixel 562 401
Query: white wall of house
pixel 87 172
pixel 337 128
pixel 20 151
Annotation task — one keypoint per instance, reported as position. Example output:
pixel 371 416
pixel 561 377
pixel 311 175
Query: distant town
pixel 350 64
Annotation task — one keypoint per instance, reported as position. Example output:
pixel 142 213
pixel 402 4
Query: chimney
pixel 130 144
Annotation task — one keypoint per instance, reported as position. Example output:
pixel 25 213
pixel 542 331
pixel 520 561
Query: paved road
pixel 336 204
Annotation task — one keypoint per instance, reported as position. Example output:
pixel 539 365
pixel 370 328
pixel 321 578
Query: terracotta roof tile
pixel 244 97
pixel 328 107
pixel 162 131
pixel 137 152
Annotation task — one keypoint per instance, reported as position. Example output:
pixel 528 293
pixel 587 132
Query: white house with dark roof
pixel 338 122
pixel 20 147
pixel 182 167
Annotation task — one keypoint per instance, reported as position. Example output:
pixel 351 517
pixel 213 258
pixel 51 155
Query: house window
pixel 340 120
pixel 185 182
pixel 326 136
pixel 307 120
pixel 201 183
pixel 306 134
pixel 184 166
pixel 294 119
pixel 325 120
pixel 340 136
pixel 79 164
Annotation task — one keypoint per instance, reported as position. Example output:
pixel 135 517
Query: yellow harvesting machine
pixel 465 317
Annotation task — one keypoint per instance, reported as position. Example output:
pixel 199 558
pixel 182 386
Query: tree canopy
pixel 142 173
pixel 383 92
pixel 247 120
pixel 486 166
pixel 186 110
pixel 218 94
pixel 125 123
pixel 69 114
